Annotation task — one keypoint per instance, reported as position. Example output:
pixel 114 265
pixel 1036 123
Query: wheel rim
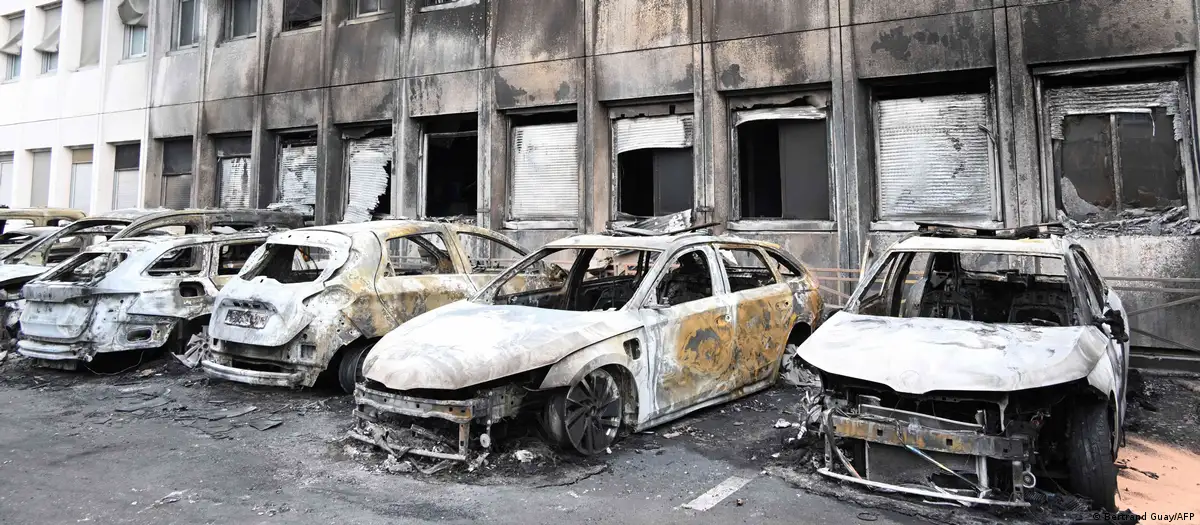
pixel 591 412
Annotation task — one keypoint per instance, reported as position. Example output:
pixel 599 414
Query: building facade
pixel 74 95
pixel 830 126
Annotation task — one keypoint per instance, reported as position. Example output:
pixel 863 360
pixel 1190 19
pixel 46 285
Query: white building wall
pixel 98 105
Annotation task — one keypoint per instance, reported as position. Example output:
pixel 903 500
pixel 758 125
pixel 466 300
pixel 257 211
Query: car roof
pixel 389 227
pixel 166 242
pixel 652 242
pixel 1050 247
pixel 20 213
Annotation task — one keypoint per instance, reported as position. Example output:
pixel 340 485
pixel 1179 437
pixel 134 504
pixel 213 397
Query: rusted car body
pixel 138 294
pixel 36 257
pixel 969 363
pixel 17 218
pixel 314 299
pixel 14 238
pixel 603 333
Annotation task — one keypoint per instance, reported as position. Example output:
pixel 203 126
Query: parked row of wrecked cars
pixel 968 364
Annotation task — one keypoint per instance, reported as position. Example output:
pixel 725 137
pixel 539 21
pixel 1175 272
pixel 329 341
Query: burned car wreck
pixel 136 295
pixel 315 299
pixel 969 364
pixel 589 336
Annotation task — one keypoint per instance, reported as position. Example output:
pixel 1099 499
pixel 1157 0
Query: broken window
pixel 48 47
pixel 90 29
pixel 607 280
pixel 233 163
pixel 783 163
pixel 545 169
pixel 746 269
pixel 297 182
pixel 188 260
pixel 487 254
pixel 368 164
pixel 654 165
pixel 241 18
pixel 12 47
pixel 81 179
pixel 126 176
pixel 688 279
pixel 934 158
pixel 1119 147
pixel 299 14
pixel 186 31
pixel 177 174
pixel 87 267
pixel 450 177
pixel 40 192
pixel 418 255
pixel 233 257
pixel 291 264
pixel 6 178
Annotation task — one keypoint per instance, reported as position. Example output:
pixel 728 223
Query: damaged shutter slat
pixel 672 131
pixel 177 192
pixel 235 182
pixel 298 175
pixel 1113 99
pixel 545 172
pixel 934 158
pixel 367 160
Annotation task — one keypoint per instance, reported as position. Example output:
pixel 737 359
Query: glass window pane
pixel 244 20
pixel 81 186
pixel 1085 166
pixel 187 23
pixel 1151 168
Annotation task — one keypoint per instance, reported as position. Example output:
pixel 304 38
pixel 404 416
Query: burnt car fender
pixel 572 368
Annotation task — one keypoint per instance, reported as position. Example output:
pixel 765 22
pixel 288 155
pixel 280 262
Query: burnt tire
pixel 1090 469
pixel 350 367
pixel 587 416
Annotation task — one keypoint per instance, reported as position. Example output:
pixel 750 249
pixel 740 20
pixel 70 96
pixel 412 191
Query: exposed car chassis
pixel 893 439
pixel 383 419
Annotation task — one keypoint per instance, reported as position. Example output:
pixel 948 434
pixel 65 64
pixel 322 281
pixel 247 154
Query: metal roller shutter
pixel 673 131
pixel 366 161
pixel 298 175
pixel 235 182
pixel 545 175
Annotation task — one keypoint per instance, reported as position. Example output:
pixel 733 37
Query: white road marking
pixel 714 495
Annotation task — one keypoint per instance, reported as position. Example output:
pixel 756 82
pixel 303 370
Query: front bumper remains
pixel 394 422
pixel 903 451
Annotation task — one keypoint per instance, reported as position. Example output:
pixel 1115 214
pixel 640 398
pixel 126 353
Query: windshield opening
pixel 985 287
pixel 291 263
pixel 87 267
pixel 62 244
pixel 575 279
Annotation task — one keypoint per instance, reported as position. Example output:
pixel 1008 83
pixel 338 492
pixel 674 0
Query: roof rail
pixel 1033 231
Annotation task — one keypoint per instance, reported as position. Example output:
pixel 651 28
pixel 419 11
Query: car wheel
pixel 588 414
pixel 1090 468
pixel 350 368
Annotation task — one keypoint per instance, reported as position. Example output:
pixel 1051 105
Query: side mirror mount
pixel 1116 325
pixel 829 311
pixel 653 304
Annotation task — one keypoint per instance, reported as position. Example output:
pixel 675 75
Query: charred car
pixel 589 336
pixel 133 295
pixel 37 256
pixel 970 363
pixel 312 300
pixel 17 218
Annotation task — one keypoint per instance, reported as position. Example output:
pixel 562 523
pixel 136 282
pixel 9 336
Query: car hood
pixel 920 355
pixel 466 343
pixel 13 273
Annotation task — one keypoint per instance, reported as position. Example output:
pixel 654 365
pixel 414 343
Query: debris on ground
pixel 524 456
pixel 265 424
pixel 142 405
pixel 169 498
pixel 195 350
pixel 394 466
pixel 146 373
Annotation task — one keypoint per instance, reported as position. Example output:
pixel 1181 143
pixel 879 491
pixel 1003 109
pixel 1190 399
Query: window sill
pixel 369 17
pixel 911 226
pixel 88 67
pixel 451 5
pixel 300 31
pixel 130 60
pixel 238 38
pixel 10 80
pixel 782 225
pixel 183 50
pixel 540 225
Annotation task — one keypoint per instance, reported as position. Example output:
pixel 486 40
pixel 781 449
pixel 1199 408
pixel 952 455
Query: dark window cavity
pixel 688 279
pixel 746 269
pixel 783 164
pixel 368 7
pixel 654 165
pixel 177 174
pixel 418 255
pixel 299 14
pixel 487 254
pixel 451 144
pixel 290 264
pixel 233 257
pixel 1119 150
pixel 241 18
pixel 186 261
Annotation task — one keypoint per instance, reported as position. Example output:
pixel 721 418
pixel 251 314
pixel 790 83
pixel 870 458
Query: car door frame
pixel 676 333
pixel 440 288
pixel 1107 297
pixel 215 262
pixel 759 305
pixel 481 279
